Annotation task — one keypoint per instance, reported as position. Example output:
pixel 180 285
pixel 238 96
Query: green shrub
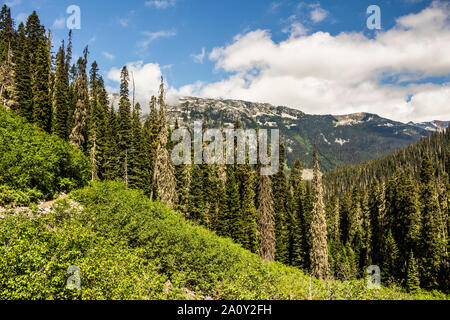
pixel 35 164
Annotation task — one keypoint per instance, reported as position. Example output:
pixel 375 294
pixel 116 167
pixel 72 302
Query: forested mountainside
pixel 394 212
pixel 342 140
pixel 436 146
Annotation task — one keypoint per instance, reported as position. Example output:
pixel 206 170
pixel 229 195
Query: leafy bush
pixel 35 164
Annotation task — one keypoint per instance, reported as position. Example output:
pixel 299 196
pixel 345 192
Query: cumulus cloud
pixel 296 29
pixel 147 77
pixel 318 14
pixel 321 73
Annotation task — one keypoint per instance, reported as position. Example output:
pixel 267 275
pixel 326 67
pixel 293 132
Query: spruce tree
pixel 7 33
pixel 412 279
pixel 390 265
pixel 298 226
pixel 249 214
pixel 164 179
pixel 266 223
pixel 42 106
pixel 232 222
pixel 111 162
pixel 124 125
pixel 150 141
pixel 78 136
pixel 60 98
pixel 377 207
pixel 137 151
pixel 280 189
pixel 22 76
pixel 319 248
pixel 432 242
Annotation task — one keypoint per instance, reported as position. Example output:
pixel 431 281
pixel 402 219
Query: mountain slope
pixel 128 247
pixel 342 140
pixel 437 146
pixel 432 126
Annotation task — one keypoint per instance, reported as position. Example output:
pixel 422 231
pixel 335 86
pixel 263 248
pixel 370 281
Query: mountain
pixel 432 126
pixel 341 140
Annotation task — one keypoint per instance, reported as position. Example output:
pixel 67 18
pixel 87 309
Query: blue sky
pixel 179 38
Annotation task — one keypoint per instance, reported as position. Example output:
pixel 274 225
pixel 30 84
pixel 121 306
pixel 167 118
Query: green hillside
pixel 128 247
pixel 35 165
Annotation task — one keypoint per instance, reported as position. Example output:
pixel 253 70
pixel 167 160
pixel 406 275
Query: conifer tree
pixel 124 126
pixel 232 222
pixel 151 132
pixel 319 248
pixel 35 33
pixel 298 226
pixel 111 163
pixel 42 106
pixel 97 123
pixel 183 187
pixel 377 206
pixel 22 76
pixel 390 265
pixel 249 214
pixel 432 244
pixel 412 280
pixel 7 85
pixel 266 223
pixel 60 98
pixel 7 33
pixel 150 140
pixel 196 204
pixel 78 136
pixel 164 179
pixel 280 189
pixel 8 36
pixel 137 151
pixel 366 248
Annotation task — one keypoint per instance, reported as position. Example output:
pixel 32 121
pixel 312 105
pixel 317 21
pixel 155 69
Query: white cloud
pixel 321 73
pixel 160 4
pixel 59 23
pixel 147 77
pixel 296 29
pixel 108 55
pixel 318 14
pixel 198 58
pixel 152 36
